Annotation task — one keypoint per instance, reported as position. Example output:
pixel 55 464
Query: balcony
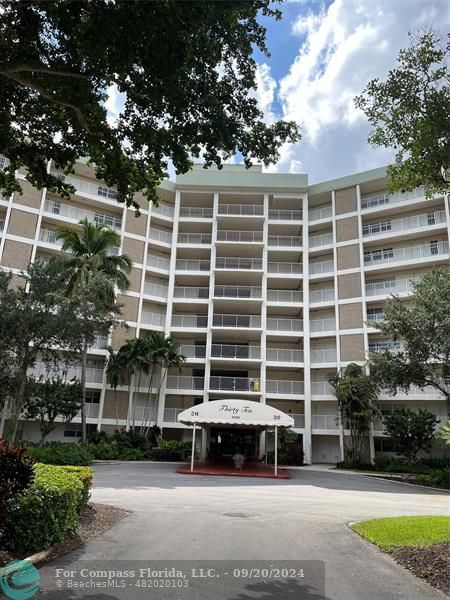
pixel 285 241
pixel 92 189
pixel 196 212
pixel 190 321
pixel 171 414
pixel 101 342
pixel 284 355
pixel 325 212
pixel 284 325
pixel 237 321
pixel 284 388
pixel 383 198
pixel 235 351
pixel 241 210
pixel 144 414
pixel 324 422
pixel 318 268
pixel 322 325
pixel 158 262
pixel 284 268
pixel 234 384
pixel 228 235
pixel 153 319
pixel 386 256
pixel 155 289
pixel 183 264
pixel 285 215
pixel 194 239
pixel 240 291
pixel 323 355
pixel 92 410
pixel 2 225
pixel 48 236
pixel 72 212
pixel 423 220
pixel 93 375
pixel 317 241
pixel 325 295
pixel 164 210
pixel 299 420
pixel 385 346
pixel 236 263
pixel 390 286
pixel 184 382
pixel 321 388
pixel 190 293
pixel 285 296
pixel 159 235
pixel 193 351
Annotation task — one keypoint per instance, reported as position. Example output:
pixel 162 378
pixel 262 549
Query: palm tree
pixel 89 255
pixel 115 375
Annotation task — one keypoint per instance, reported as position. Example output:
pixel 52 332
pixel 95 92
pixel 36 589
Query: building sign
pixel 235 412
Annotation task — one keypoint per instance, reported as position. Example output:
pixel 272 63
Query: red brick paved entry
pixel 227 469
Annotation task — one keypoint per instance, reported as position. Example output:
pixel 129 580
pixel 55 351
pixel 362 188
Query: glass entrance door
pixel 226 442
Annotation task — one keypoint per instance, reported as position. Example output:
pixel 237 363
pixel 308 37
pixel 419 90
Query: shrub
pixel 16 474
pixel 165 454
pixel 405 468
pixel 98 437
pixel 85 474
pixel 61 453
pixel 131 439
pixel 131 454
pixel 435 463
pixel 383 462
pixel 48 511
pixel 436 478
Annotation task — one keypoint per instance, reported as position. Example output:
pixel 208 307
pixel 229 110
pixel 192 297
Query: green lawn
pixel 404 531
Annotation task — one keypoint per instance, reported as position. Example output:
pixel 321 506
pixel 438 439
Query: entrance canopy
pixel 242 413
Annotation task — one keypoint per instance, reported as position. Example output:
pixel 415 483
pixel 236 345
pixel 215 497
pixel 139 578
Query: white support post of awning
pixel 276 451
pixel 193 448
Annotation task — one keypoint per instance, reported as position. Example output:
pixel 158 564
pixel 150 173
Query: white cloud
pixel 265 91
pixel 341 49
pixel 114 103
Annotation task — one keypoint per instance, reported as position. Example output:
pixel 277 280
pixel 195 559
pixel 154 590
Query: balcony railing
pixel 236 263
pixel 235 351
pixel 194 238
pixel 284 268
pixel 159 235
pixel 165 210
pixel 155 289
pixel 324 422
pixel 49 237
pixel 321 388
pixel 285 241
pixel 93 189
pixel 191 292
pixel 375 317
pixel 92 410
pixel 299 420
pixel 196 212
pixel 379 288
pixel 383 198
pixel 285 325
pixel 101 341
pixel 324 212
pixel 73 212
pixel 323 355
pixel 321 295
pixel 319 325
pixel 285 215
pixel 280 386
pixel 189 321
pixel 315 241
pixel 93 375
pixel 158 262
pixel 316 268
pixel 385 345
pixel 284 296
pixel 144 414
pixel 234 384
pixel 422 220
pixel 152 318
pixel 284 355
pixel 241 209
pixel 228 235
pixel 193 351
pixel 171 414
pixel 187 264
pixel 238 321
pixel 240 291
pixel 410 253
pixel 184 382
pixel 2 225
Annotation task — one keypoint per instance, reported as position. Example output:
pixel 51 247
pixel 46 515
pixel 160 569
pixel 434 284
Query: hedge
pixel 61 453
pixel 49 510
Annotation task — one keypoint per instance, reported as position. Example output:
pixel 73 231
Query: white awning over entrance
pixel 235 412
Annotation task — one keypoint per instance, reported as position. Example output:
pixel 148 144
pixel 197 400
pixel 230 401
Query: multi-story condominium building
pixel 269 284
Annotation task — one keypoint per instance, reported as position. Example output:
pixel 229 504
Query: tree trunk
pixel 83 391
pixel 19 398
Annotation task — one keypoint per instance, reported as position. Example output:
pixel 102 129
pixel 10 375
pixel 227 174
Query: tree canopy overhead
pixel 185 70
pixel 409 112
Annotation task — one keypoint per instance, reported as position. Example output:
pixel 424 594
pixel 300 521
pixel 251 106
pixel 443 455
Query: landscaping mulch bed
pixel 95 520
pixel 431 563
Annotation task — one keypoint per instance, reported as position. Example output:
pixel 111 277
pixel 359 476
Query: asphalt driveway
pixel 196 518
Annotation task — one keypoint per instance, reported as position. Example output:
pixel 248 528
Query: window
pixel 431 218
pixel 377 255
pixel 375 314
pixel 374 228
pixel 72 430
pixel 93 396
pixel 106 192
pixel 383 445
pixel 55 208
pixel 434 245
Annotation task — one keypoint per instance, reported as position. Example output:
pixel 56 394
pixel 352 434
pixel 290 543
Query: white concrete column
pixel 307 403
